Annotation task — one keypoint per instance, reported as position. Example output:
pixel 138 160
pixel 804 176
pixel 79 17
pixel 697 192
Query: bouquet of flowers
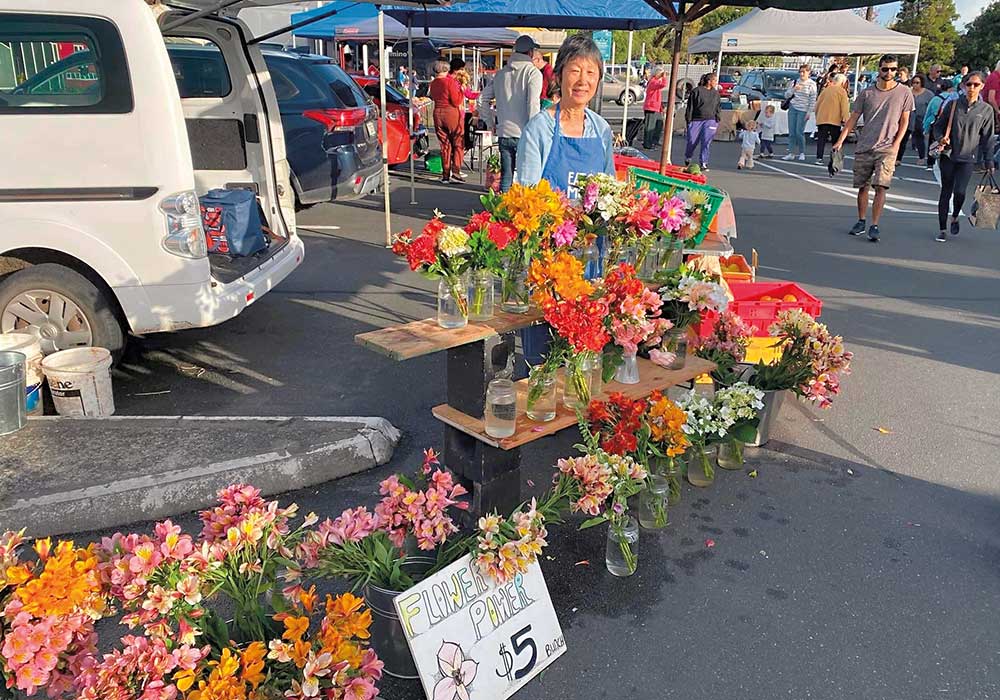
pixel 439 252
pixel 603 206
pixel 686 294
pixel 726 347
pixel 634 319
pixel 739 405
pixel 703 426
pixel 617 424
pixel 667 440
pixel 506 547
pixel 811 363
pixel 674 220
pixel 488 239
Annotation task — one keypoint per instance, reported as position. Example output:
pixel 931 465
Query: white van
pixel 102 164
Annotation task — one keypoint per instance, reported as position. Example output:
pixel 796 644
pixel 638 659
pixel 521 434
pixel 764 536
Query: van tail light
pixel 185 234
pixel 338 119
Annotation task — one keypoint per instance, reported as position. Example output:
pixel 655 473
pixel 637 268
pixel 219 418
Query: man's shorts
pixel 874 168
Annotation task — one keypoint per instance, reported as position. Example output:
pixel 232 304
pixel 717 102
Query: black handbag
pixel 786 103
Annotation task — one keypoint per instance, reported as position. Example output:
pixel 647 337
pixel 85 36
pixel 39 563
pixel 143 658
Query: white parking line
pixel 845 170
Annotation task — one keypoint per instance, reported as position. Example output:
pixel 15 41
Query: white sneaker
pixel 802 156
pixel 788 156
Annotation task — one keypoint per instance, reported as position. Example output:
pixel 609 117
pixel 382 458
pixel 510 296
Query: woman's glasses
pixel 974 85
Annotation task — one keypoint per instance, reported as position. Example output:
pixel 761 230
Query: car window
pixel 199 67
pixel 304 88
pixel 779 81
pixel 342 84
pixel 57 64
pixel 756 82
pixel 284 89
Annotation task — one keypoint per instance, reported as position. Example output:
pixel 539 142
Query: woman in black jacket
pixel 971 133
pixel 702 118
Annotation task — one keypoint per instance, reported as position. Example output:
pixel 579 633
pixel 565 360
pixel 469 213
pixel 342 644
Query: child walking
pixel 748 143
pixel 768 123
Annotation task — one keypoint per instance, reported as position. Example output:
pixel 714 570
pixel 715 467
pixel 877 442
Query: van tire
pixel 105 328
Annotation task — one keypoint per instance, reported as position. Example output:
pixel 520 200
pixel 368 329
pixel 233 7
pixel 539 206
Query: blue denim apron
pixel 568 159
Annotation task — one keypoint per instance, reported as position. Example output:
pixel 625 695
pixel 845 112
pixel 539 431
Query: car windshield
pixel 726 78
pixel 779 81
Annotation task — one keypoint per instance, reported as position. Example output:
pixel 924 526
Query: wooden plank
pixel 651 378
pixel 425 337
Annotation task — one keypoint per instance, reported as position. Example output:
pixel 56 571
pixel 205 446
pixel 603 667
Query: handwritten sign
pixel 473 639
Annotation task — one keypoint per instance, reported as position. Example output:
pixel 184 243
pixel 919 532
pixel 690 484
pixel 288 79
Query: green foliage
pixel 980 45
pixel 933 21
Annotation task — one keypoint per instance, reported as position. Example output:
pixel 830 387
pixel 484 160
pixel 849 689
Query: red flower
pixel 477 222
pixel 502 234
pixel 433 228
pixel 421 251
pixel 597 412
pixel 401 241
pixel 579 321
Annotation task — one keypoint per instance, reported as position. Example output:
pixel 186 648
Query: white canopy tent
pixel 839 32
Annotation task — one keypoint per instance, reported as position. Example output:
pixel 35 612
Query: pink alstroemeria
pixel 663 358
pixel 458 671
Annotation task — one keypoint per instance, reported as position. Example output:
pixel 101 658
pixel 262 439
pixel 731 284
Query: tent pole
pixel 409 67
pixel 463 52
pixel 857 76
pixel 500 59
pixel 383 61
pixel 718 62
pixel 668 122
pixel 364 59
pixel 628 77
pixel 916 53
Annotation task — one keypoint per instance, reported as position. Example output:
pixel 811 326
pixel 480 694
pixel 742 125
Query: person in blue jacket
pixel 565 142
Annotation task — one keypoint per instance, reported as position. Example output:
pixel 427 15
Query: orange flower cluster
pixel 558 276
pixel 68 581
pixel 535 209
pixel 233 677
pixel 666 420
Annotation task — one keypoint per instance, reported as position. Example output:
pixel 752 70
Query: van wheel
pixel 60 306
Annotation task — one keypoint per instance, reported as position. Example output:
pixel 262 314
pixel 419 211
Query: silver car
pixel 613 90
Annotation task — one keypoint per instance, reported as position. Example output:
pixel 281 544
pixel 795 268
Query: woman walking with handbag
pixel 801 101
pixel 964 129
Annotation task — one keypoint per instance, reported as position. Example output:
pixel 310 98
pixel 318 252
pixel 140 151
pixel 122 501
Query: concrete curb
pixel 312 458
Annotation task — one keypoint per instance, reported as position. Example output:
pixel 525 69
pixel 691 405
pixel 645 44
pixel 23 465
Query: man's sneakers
pixel 802 157
pixel 820 161
pixel 954 227
pixel 788 156
pixel 859 228
pixel 873 233
pixel 942 237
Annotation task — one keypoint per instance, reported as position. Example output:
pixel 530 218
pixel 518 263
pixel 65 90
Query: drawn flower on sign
pixel 458 671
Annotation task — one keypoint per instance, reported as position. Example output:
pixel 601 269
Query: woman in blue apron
pixel 564 143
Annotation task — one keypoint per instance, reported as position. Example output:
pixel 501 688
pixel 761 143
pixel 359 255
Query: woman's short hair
pixel 838 78
pixel 805 66
pixel 456 64
pixel 439 67
pixel 577 46
pixel 974 74
pixel 660 70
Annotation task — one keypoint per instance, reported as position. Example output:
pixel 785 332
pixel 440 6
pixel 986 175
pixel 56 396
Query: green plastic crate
pixel 665 183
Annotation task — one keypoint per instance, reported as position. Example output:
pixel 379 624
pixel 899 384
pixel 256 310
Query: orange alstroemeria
pixel 295 627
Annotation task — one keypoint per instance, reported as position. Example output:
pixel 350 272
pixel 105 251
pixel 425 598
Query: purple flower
pixel 590 196
pixel 565 234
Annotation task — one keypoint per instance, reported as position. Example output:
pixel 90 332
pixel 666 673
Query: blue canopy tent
pixel 550 14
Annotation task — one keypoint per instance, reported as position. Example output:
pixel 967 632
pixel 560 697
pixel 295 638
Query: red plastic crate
pixel 623 163
pixel 759 315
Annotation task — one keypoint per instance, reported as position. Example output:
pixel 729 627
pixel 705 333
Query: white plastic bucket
pixel 31 347
pixel 80 382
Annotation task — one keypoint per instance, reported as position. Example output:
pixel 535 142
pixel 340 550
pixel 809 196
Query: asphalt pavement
pixel 861 562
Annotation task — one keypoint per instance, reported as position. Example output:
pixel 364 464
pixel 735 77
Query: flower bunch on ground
pixel 666 422
pixel 617 423
pixel 812 359
pixel 726 347
pixel 507 547
pixel 50 605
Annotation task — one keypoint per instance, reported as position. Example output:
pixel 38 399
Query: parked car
pixel 400 139
pixel 613 89
pixel 765 83
pixel 102 229
pixel 726 84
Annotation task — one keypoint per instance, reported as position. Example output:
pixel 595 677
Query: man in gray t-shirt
pixel 886 108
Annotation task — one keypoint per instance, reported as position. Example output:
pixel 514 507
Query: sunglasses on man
pixel 889 69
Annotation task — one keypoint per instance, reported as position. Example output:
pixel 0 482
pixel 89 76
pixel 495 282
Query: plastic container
pixel 31 347
pixel 80 382
pixel 745 273
pixel 623 163
pixel 762 350
pixel 13 415
pixel 749 304
pixel 666 183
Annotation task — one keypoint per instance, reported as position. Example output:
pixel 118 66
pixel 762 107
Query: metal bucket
pixel 388 639
pixel 768 414
pixel 13 415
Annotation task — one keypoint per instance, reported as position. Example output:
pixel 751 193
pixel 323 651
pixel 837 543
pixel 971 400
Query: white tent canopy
pixel 838 32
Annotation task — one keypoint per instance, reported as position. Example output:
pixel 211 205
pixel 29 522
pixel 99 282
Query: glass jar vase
pixel 453 303
pixel 668 468
pixel 541 398
pixel 730 455
pixel 590 257
pixel 481 295
pixel 500 414
pixel 514 293
pixel 578 384
pixel 653 503
pixel 700 471
pixel 676 341
pixel 628 370
pixel 621 555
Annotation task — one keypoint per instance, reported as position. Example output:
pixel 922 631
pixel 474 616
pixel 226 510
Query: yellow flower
pixel 532 209
pixel 253 664
pixel 453 241
pixel 295 627
pixel 559 275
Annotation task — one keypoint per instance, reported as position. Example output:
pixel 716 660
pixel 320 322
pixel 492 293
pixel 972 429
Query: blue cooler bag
pixel 232 222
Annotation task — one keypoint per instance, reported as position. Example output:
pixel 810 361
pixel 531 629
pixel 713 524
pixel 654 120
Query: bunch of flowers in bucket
pixel 811 363
pixel 687 293
pixel 633 321
pixel 540 218
pixel 167 586
pixel 726 347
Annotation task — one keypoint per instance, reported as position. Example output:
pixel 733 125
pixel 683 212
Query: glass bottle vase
pixel 653 503
pixel 700 471
pixel 628 370
pixel 453 303
pixel 621 555
pixel 730 455
pixel 514 293
pixel 542 398
pixel 481 295
pixel 676 341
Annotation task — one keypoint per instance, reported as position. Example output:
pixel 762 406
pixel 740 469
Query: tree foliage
pixel 980 45
pixel 933 21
